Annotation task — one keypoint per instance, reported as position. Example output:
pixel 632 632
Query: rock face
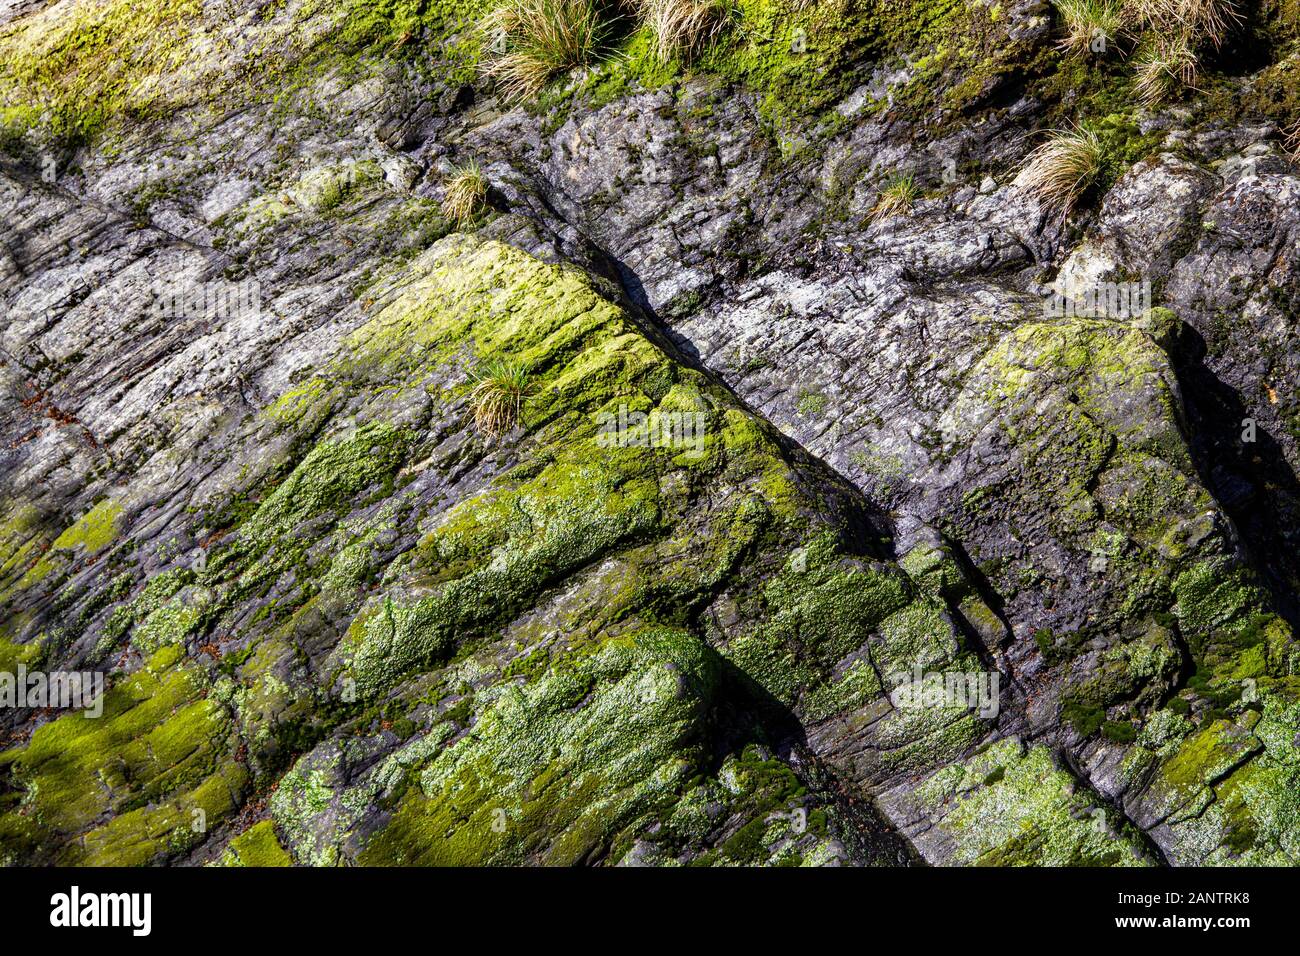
pixel 822 536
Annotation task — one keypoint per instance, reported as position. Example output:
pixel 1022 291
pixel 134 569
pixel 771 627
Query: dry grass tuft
pixel 895 199
pixel 683 27
pixel 1085 19
pixel 528 43
pixel 1058 172
pixel 1197 20
pixel 464 194
pixel 1162 67
pixel 498 397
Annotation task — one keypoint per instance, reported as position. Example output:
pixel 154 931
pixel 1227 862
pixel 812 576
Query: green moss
pixel 1120 732
pixel 22 537
pixel 1211 597
pixel 816 615
pixel 11 655
pixel 1209 755
pixel 1086 718
pixel 328 480
pixel 811 404
pixel 552 771
pixel 1123 144
pixel 167 625
pixel 565 517
pixel 855 687
pixel 318 191
pixel 1275 93
pixel 80 72
pixel 400 30
pixel 585 496
pixel 1101 356
pixel 800 59
pixel 302 794
pixel 80 67
pixel 89 534
pixel 154 756
pixel 1119 490
pixel 1053 650
pixel 256 846
pixel 150 602
pixel 1228 790
pixel 935 571
pixel 917 740
pixel 149 834
pixel 1013 806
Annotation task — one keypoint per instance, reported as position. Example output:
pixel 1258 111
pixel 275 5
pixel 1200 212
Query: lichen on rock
pixel 815 535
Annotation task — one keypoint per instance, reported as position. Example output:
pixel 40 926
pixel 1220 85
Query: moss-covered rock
pixel 136 785
pixel 1012 805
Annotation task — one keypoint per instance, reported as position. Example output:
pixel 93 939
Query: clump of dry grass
pixel 683 27
pixel 528 43
pixel 1162 66
pixel 1086 19
pixel 1293 140
pixel 1198 20
pixel 1059 171
pixel 464 194
pixel 895 199
pixel 498 397
pixel 1172 34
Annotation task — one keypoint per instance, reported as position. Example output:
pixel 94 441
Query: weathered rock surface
pixel 240 476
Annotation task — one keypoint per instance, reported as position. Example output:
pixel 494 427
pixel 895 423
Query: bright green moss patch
pixel 329 478
pixel 1228 792
pixel 608 472
pixel 79 70
pixel 1100 356
pixel 499 303
pixel 802 58
pixel 158 741
pixel 1223 614
pixel 11 655
pixel 575 510
pixel 819 608
pixel 256 846
pixel 858 685
pixel 1209 755
pixel 85 63
pixel 21 539
pixel 1013 806
pixel 89 534
pixel 554 770
pixel 410 30
pixel 767 792
pixel 149 834
pixel 1211 597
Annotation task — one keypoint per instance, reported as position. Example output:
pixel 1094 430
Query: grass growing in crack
pixel 528 43
pixel 683 27
pixel 1162 67
pixel 1085 20
pixel 1168 34
pixel 1059 171
pixel 498 397
pixel 895 199
pixel 1197 20
pixel 464 194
